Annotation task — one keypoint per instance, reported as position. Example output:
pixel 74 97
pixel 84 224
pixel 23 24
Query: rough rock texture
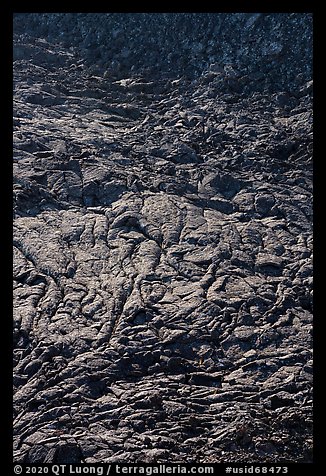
pixel 162 238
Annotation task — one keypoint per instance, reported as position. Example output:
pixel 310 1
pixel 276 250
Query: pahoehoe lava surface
pixel 162 238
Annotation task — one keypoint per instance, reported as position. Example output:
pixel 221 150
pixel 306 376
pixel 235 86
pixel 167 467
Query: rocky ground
pixel 162 240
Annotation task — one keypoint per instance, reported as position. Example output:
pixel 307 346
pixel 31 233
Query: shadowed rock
pixel 162 238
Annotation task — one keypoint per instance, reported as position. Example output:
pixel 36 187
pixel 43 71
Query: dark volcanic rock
pixel 270 50
pixel 162 238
